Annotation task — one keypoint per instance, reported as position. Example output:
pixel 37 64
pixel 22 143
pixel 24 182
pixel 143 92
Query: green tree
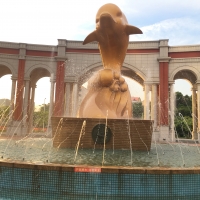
pixel 4 115
pixel 183 117
pixel 138 109
pixel 183 126
pixel 40 118
pixel 183 104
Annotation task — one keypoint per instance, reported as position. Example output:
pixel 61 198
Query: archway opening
pixel 5 101
pixel 42 91
pixel 39 96
pixel 183 119
pixel 137 97
pixel 5 87
pixel 41 102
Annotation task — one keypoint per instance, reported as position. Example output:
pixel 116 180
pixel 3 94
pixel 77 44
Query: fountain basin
pixel 54 181
pixel 31 168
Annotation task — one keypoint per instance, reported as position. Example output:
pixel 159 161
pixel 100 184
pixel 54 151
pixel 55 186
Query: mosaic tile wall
pixel 22 183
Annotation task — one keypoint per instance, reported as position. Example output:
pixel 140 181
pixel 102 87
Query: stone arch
pixel 185 72
pixel 38 66
pixel 134 73
pixel 7 68
pixel 127 70
pixel 88 72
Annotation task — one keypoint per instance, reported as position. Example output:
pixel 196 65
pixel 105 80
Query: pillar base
pixel 16 128
pixel 172 135
pixel 198 137
pixel 155 136
pixel 165 135
pixel 195 135
pixel 24 130
pixel 49 132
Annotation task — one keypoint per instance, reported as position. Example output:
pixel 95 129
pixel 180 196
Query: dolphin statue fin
pixel 90 38
pixel 132 30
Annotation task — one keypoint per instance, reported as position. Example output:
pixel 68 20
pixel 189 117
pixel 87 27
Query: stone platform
pixel 89 133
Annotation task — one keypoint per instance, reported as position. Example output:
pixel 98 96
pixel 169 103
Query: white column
pixel 146 101
pixel 12 106
pixel 74 99
pixel 79 96
pixel 194 113
pixel 12 98
pixel 71 100
pixel 198 107
pixel 52 90
pixel 67 99
pixel 154 105
pixel 25 107
pixel 32 108
pixel 172 106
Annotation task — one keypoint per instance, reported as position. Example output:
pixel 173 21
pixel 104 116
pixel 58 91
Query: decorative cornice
pixel 163 43
pixel 131 45
pixel 144 45
pixel 52 80
pixel 10 56
pixel 185 60
pixel 70 79
pixel 79 45
pixel 142 51
pixel 151 82
pixel 171 82
pixel 198 83
pixel 61 58
pixel 37 47
pixel 22 57
pixel 185 48
pixel 9 45
pixel 62 42
pixel 22 45
pixel 40 58
pixel 94 45
pixel 26 79
pixel 164 59
pixel 13 77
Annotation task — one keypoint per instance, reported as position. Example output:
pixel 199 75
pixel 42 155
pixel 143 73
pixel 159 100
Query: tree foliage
pixel 183 117
pixel 183 104
pixel 138 109
pixel 40 118
pixel 4 115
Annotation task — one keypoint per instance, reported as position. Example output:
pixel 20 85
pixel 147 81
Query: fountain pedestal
pixel 89 133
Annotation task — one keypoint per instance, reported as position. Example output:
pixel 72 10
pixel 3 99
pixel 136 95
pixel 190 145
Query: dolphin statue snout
pixel 106 20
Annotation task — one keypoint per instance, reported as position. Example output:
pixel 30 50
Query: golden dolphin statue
pixel 108 94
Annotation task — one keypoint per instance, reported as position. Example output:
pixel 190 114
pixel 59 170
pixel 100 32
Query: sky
pixel 45 21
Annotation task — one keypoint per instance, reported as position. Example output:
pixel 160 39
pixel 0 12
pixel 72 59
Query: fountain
pixel 108 99
pixel 103 153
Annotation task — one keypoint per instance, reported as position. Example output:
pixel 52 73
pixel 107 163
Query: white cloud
pixel 179 31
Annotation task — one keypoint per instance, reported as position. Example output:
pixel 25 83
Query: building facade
pixel 153 64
